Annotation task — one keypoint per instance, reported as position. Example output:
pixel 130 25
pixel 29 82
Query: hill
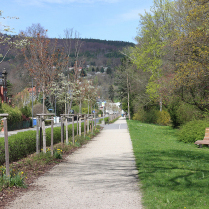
pixel 93 54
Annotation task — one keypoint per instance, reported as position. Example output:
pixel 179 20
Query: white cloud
pixel 131 15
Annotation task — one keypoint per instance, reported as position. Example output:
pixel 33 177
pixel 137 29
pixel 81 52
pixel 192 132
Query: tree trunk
pixel 44 136
pixel 66 131
pixel 161 103
pixel 129 117
pixel 79 126
pixel 80 111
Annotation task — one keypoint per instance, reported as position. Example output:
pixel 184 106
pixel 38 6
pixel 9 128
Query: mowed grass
pixel 172 174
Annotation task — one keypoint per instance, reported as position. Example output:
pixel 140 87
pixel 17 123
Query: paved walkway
pixel 101 175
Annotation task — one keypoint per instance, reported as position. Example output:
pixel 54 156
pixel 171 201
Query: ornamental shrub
pixel 193 131
pixel 163 118
pixel 26 111
pixel 15 115
pixel 140 115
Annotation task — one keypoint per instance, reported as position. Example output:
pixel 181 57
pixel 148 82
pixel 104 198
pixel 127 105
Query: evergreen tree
pixel 109 70
pixel 111 92
pixel 102 70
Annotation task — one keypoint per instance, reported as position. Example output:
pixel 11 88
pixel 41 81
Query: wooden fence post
pixel 87 124
pixel 62 131
pixel 92 124
pixel 40 136
pixel 73 130
pixel 44 135
pixel 6 146
pixel 37 136
pixel 94 121
pixel 66 130
pixel 84 125
pixel 52 135
pixel 79 126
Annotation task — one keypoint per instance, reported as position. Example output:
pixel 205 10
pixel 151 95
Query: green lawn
pixel 172 174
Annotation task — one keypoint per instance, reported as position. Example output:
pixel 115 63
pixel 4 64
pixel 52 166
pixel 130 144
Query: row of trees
pixel 169 65
pixel 47 65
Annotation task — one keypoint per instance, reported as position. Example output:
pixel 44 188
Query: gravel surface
pixel 100 175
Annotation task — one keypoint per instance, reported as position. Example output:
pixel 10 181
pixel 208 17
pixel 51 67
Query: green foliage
pixel 153 116
pixel 139 115
pixel 15 115
pixel 109 71
pixel 193 131
pixel 14 180
pixel 85 110
pixel 111 92
pixel 181 113
pixel 186 113
pixel 172 174
pixel 58 154
pixel 24 143
pixel 163 118
pixel 26 111
pixel 76 109
pixel 105 120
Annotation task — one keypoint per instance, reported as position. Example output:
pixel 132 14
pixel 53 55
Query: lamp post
pixel 4 78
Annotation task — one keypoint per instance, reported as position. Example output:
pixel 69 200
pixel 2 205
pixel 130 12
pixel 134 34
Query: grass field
pixel 172 174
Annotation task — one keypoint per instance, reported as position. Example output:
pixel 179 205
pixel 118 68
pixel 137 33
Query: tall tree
pixel 42 62
pixel 192 54
pixel 111 92
pixel 154 34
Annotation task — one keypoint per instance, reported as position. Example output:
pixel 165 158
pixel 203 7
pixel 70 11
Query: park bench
pixel 205 140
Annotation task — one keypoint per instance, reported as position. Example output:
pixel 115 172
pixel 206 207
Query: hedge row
pixel 107 120
pixel 24 143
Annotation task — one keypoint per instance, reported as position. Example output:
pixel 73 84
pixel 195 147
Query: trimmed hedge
pixel 24 143
pixel 193 131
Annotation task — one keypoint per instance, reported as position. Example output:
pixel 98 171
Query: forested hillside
pixel 92 55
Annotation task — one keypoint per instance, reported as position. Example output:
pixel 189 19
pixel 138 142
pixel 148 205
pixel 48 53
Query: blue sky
pixel 99 19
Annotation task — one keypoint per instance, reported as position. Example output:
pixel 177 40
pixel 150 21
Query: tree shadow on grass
pixel 175 169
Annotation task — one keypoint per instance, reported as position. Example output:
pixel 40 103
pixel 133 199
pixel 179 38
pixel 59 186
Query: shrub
pixel 105 120
pixel 85 110
pixel 26 111
pixel 186 113
pixel 150 116
pixel 181 113
pixel 193 131
pixel 15 115
pixel 163 118
pixel 140 115
pixel 38 109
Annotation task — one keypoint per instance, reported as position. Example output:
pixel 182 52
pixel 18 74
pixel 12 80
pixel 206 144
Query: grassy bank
pixel 172 174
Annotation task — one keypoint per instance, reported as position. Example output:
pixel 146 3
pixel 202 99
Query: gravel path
pixel 100 175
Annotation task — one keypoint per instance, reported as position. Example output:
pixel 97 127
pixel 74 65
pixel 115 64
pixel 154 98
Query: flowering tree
pixel 42 61
pixel 61 89
pixel 8 40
